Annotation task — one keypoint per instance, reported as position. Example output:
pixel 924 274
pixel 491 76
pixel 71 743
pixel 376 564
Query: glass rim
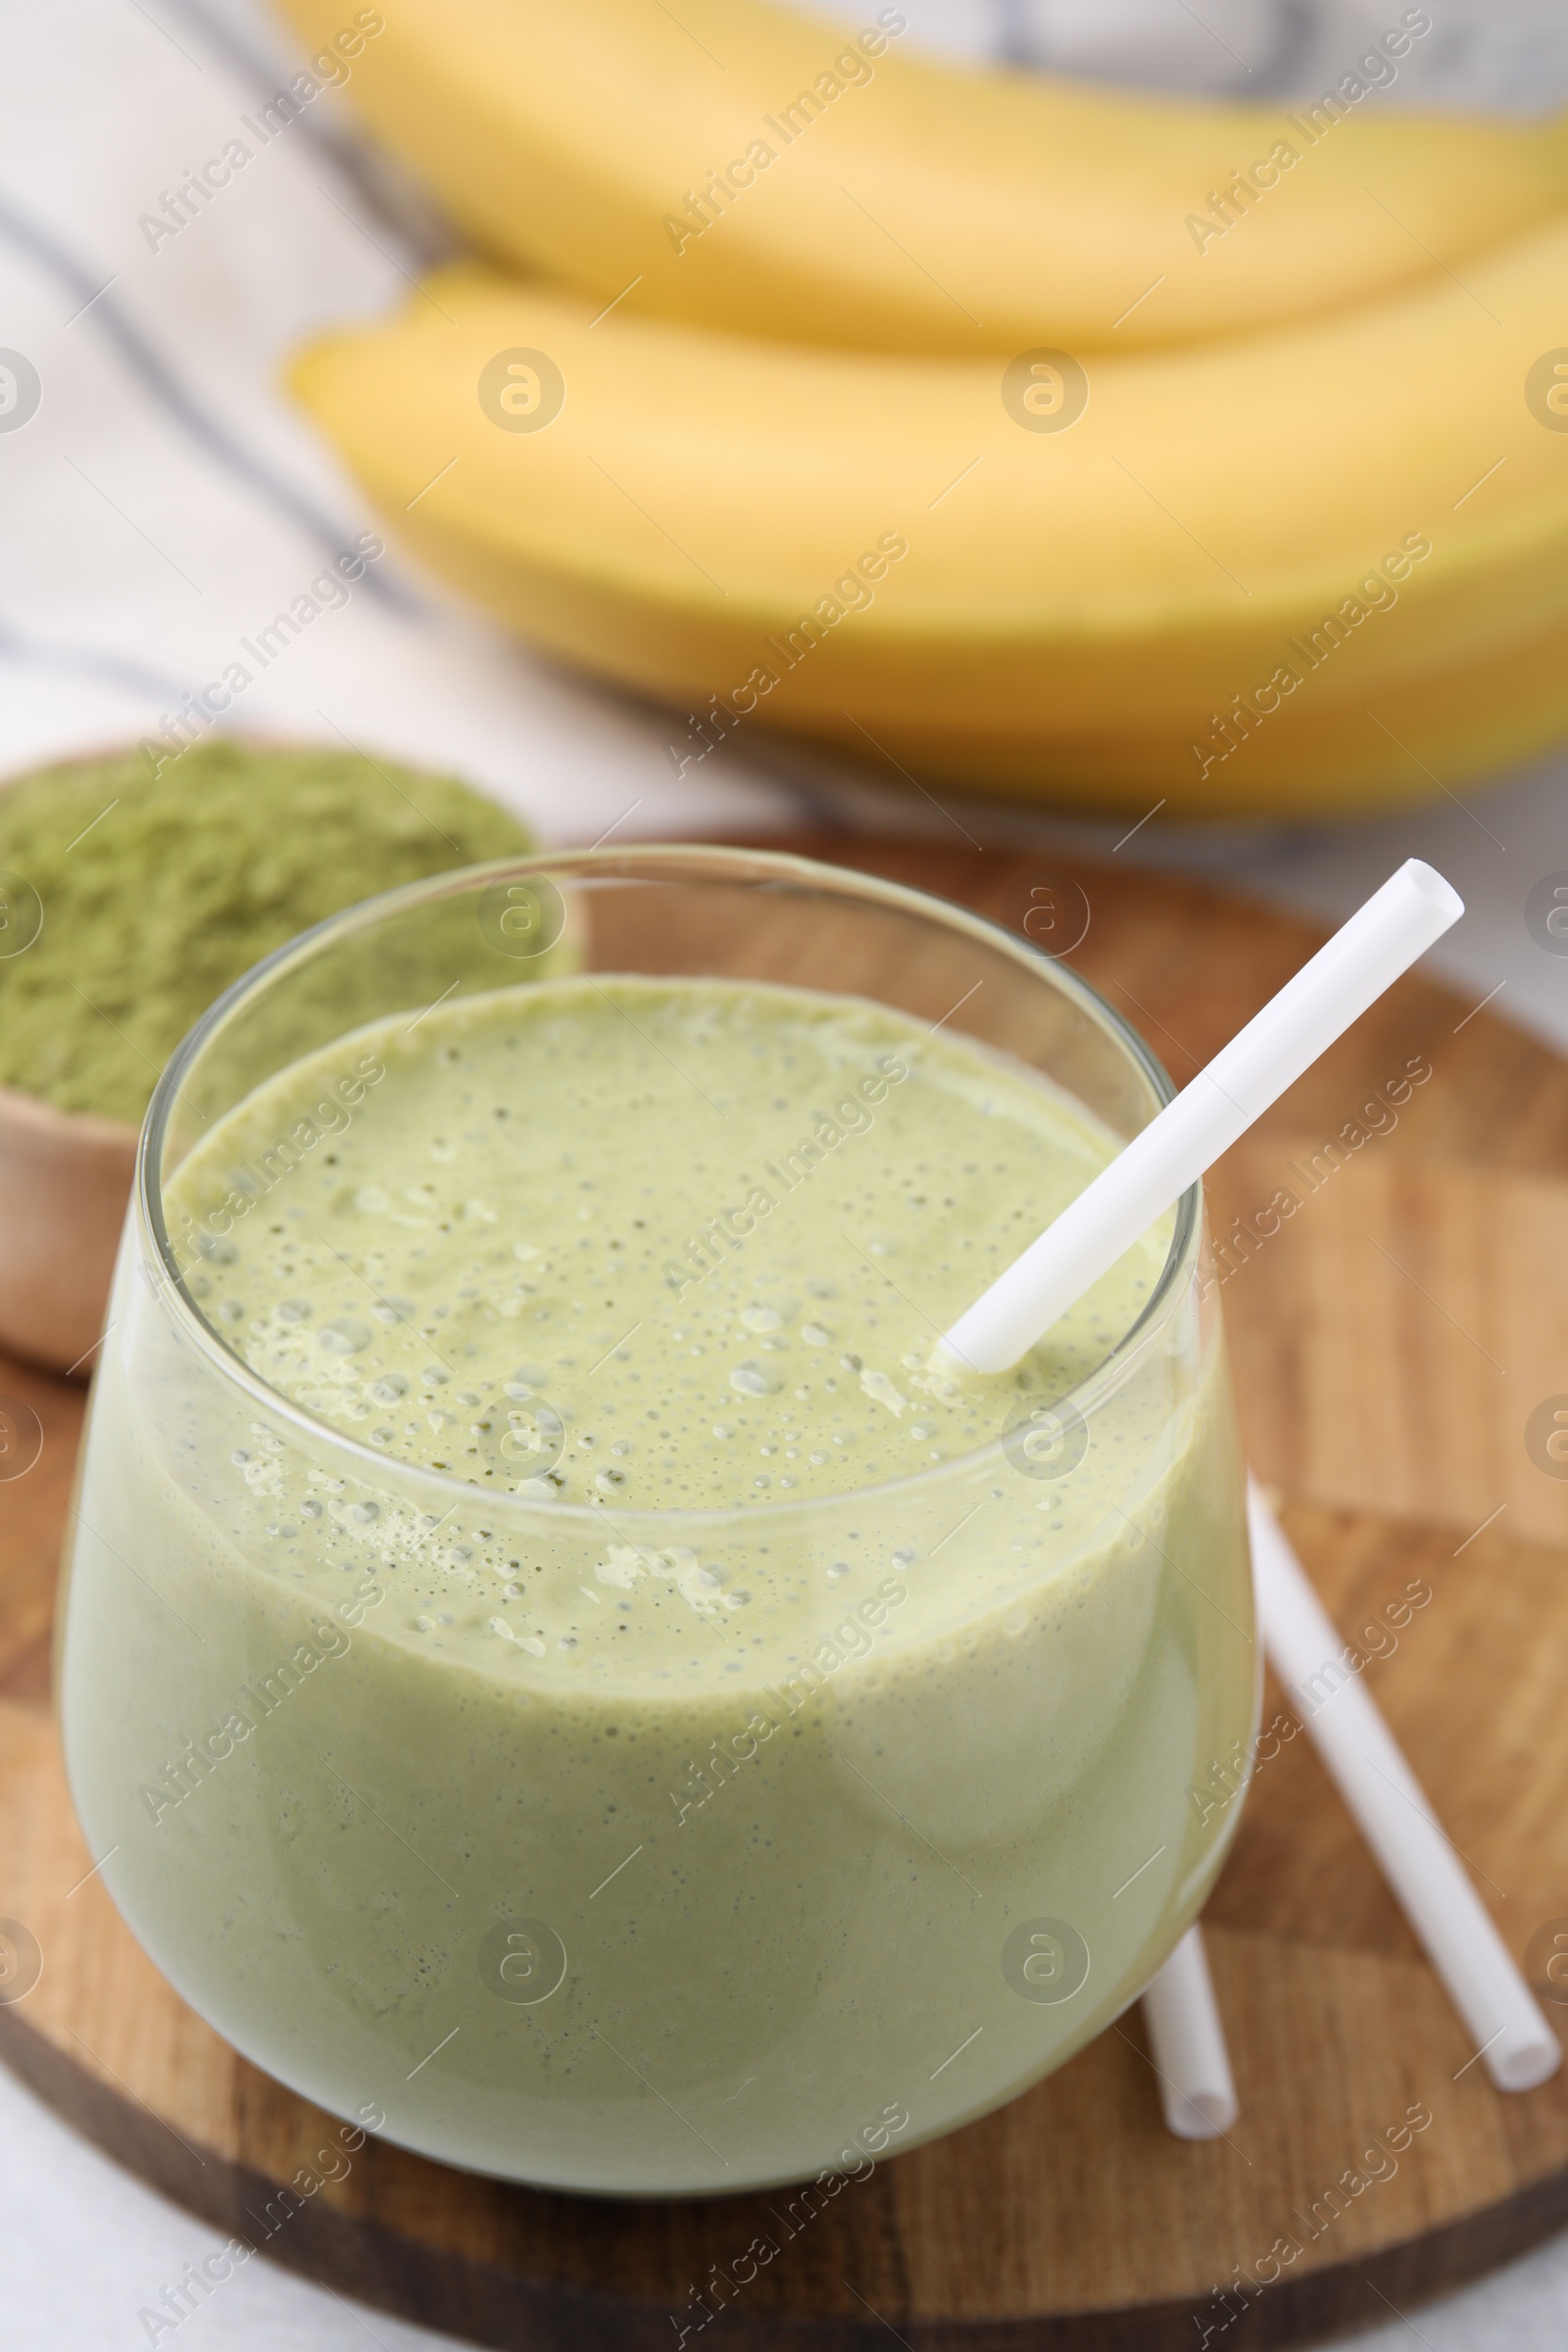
pixel 720 861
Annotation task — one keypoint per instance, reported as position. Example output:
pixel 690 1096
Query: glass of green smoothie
pixel 545 1652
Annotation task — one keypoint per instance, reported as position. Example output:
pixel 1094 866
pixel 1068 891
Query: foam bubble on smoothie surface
pixel 644 1244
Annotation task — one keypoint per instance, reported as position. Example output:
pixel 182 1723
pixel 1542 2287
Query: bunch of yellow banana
pixel 1098 447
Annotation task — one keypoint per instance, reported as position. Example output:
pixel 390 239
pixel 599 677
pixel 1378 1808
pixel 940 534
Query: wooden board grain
pixel 1392 1339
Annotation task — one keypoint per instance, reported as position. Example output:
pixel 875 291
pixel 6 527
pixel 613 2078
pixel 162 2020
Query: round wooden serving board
pixel 1392 1340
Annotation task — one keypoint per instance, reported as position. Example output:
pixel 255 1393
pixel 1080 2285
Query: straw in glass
pixel 1363 958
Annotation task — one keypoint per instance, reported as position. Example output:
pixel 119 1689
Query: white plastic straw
pixel 1513 2039
pixel 1365 957
pixel 1188 2043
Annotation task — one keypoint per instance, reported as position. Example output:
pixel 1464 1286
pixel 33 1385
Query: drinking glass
pixel 692 1917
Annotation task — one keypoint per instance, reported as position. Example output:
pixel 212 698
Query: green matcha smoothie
pixel 593 1691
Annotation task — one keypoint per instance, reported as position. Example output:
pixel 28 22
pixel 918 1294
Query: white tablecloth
pixel 165 500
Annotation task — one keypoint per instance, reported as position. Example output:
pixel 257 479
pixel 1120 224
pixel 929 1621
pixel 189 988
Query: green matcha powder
pixel 158 892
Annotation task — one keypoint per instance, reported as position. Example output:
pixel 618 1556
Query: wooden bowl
pixel 65 1179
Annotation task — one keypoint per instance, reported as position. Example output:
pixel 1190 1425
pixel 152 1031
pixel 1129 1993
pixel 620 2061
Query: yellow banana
pixel 992 565
pixel 1416 739
pixel 749 169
